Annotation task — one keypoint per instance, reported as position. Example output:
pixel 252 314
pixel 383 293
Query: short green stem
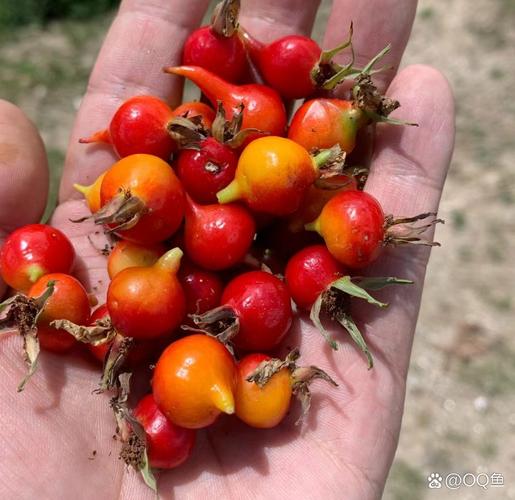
pixel 230 193
pixel 171 260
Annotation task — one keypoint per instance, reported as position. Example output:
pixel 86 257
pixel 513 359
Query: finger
pixel 145 36
pixel 23 172
pixel 377 23
pixel 407 176
pixel 268 20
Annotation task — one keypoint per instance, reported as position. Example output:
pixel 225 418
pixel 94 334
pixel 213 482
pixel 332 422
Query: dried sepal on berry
pixel 21 313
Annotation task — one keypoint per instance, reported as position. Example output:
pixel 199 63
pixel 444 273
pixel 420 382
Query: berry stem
pixel 230 193
pixel 171 260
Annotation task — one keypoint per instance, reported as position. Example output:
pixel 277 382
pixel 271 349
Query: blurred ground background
pixel 460 407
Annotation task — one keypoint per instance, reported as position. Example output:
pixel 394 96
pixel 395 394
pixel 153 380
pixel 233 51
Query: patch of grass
pixel 426 13
pixel 459 220
pixel 491 374
pixel 406 482
pixel 488 448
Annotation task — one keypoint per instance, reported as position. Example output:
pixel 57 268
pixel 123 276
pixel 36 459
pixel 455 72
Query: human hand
pixel 349 440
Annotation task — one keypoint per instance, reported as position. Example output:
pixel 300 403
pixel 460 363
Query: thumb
pixel 23 172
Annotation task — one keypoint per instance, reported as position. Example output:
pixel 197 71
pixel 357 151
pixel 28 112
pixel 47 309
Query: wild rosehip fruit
pixel 148 302
pixel 217 237
pixel 263 108
pixel 168 445
pixel 274 174
pixel 194 381
pixel 355 228
pixel 32 251
pixel 265 388
pixel 142 199
pixel 256 312
pixel 139 126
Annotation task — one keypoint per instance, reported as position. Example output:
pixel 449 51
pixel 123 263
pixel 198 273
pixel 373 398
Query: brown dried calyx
pixel 335 301
pixel 99 333
pixel 21 313
pixel 220 322
pixel 405 230
pixel 301 377
pixel 122 212
pixel 130 432
pixel 225 18
pixel 367 98
pixel 190 132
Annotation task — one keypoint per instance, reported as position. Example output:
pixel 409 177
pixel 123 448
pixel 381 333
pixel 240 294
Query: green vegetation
pixel 18 12
pixel 406 482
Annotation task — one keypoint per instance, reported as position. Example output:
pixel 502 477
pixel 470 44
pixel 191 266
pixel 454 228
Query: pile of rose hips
pixel 207 211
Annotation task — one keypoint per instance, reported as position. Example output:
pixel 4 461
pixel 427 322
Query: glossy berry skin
pixel 262 304
pixel 139 126
pixel 203 289
pixel 224 56
pixel 315 200
pixel 352 225
pixel 194 381
pixel 286 64
pixel 310 272
pixel 272 176
pixel 196 108
pixel 206 170
pixel 154 182
pixel 148 302
pixel 141 352
pixel 264 407
pixel 217 237
pixel 92 193
pixel 33 251
pixel 322 123
pixel 263 106
pixel 69 301
pixel 128 254
pixel 168 445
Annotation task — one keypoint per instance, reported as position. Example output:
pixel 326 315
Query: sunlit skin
pixel 224 56
pixel 272 176
pixel 262 407
pixel 139 126
pixel 154 182
pixel 128 254
pixel 321 123
pixel 262 305
pixel 224 467
pixel 92 193
pixel 148 302
pixel 206 170
pixel 194 381
pixel 196 108
pixel 310 272
pixel 69 301
pixel 33 251
pixel 263 107
pixel 168 445
pixel 217 236
pixel 352 225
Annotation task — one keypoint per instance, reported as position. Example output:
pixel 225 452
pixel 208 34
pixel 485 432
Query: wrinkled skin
pixel 351 435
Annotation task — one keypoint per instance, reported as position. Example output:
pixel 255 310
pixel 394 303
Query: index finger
pixel 145 36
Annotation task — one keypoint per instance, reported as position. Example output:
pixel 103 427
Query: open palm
pixel 344 451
